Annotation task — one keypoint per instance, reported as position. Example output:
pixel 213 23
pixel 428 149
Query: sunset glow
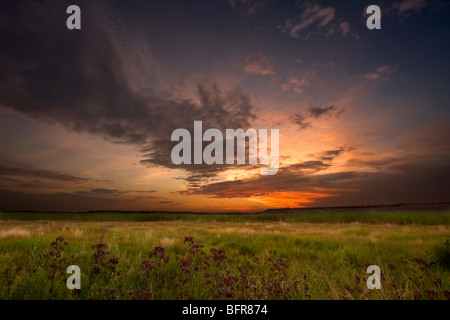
pixel 86 116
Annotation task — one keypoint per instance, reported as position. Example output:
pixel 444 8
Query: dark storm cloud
pixel 71 77
pixel 217 109
pixel 90 80
pixel 45 174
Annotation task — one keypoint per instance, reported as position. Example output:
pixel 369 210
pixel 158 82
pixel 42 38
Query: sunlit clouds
pixel 86 118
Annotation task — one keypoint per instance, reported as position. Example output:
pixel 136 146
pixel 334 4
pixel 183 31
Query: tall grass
pixel 369 217
pixel 324 260
pixel 196 272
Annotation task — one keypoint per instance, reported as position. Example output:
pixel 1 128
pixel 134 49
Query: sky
pixel 86 116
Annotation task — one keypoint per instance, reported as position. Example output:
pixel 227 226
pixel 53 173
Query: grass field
pixel 295 255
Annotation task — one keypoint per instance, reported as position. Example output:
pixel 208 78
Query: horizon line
pixel 432 205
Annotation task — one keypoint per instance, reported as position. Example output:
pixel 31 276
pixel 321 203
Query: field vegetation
pixel 295 255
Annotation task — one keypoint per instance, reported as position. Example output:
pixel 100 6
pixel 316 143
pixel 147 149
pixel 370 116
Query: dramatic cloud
pixel 311 15
pixel 90 80
pixel 259 64
pixel 298 173
pixel 426 182
pixel 380 73
pixel 102 103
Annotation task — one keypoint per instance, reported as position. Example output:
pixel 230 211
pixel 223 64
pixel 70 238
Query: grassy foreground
pixel 304 255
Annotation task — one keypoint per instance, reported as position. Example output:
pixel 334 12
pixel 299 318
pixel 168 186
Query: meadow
pixel 292 255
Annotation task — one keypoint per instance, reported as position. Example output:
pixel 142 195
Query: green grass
pixel 325 252
pixel 371 217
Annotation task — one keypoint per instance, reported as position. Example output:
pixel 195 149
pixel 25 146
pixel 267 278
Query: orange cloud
pixel 284 199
